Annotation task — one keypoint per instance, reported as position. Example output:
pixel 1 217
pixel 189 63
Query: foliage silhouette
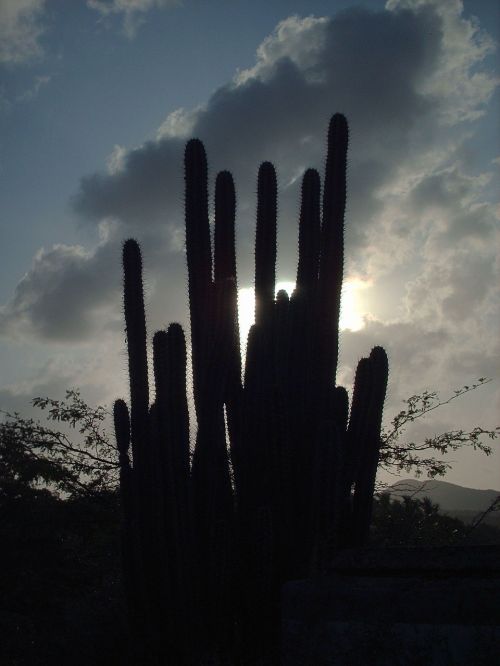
pixel 36 455
pixel 67 606
pixel 419 457
pixel 409 521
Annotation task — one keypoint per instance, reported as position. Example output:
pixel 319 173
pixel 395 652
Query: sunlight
pixel 287 286
pixel 351 316
pixel 246 314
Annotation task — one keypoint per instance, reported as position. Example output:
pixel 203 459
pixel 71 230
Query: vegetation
pixel 418 522
pixel 429 457
pixel 38 458
pixel 67 605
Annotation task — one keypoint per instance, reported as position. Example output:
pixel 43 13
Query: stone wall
pixel 401 606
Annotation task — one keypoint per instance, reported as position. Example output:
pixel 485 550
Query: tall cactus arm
pixel 332 242
pixel 265 244
pixel 224 234
pixel 122 433
pixel 341 408
pixel 135 321
pixel 367 469
pixel 199 260
pixel 122 429
pixel 178 412
pixel 309 232
pixel 225 272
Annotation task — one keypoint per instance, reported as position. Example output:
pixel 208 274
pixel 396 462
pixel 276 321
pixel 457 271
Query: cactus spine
pixel 208 544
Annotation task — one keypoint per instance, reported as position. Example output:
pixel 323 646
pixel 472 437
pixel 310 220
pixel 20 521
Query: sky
pixel 97 100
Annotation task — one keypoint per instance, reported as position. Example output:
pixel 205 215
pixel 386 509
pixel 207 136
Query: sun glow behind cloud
pixel 351 315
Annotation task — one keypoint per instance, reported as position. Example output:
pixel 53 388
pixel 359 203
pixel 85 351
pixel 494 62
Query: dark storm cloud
pixel 381 69
pixel 142 192
pixel 369 66
pixel 70 294
pixel 60 298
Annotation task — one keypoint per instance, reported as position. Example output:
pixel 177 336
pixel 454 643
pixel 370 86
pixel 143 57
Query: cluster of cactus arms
pixel 282 472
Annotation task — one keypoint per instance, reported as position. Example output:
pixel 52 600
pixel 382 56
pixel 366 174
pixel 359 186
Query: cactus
pixel 207 544
pixel 130 553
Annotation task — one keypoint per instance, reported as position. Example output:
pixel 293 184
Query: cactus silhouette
pixel 282 472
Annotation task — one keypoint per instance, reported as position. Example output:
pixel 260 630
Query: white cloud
pixel 132 10
pixel 463 91
pixel 178 124
pixel 301 40
pixel 20 30
pixel 116 159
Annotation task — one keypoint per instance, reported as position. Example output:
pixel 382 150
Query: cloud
pixel 300 40
pixel 62 296
pixel 459 281
pixel 96 376
pixel 179 124
pixel 388 71
pixel 73 296
pixel 116 159
pixel 20 30
pixel 464 46
pixel 132 10
pixel 417 216
pixel 411 349
pixel 51 378
pixel 141 191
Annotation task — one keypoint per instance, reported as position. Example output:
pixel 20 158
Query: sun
pixel 351 315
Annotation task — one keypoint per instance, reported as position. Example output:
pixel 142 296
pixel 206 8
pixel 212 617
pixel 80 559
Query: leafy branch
pixel 51 457
pixel 396 457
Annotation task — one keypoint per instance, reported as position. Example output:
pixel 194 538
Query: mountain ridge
pixel 451 497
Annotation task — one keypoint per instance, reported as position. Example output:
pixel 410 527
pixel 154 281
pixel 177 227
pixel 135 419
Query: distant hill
pixel 457 501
